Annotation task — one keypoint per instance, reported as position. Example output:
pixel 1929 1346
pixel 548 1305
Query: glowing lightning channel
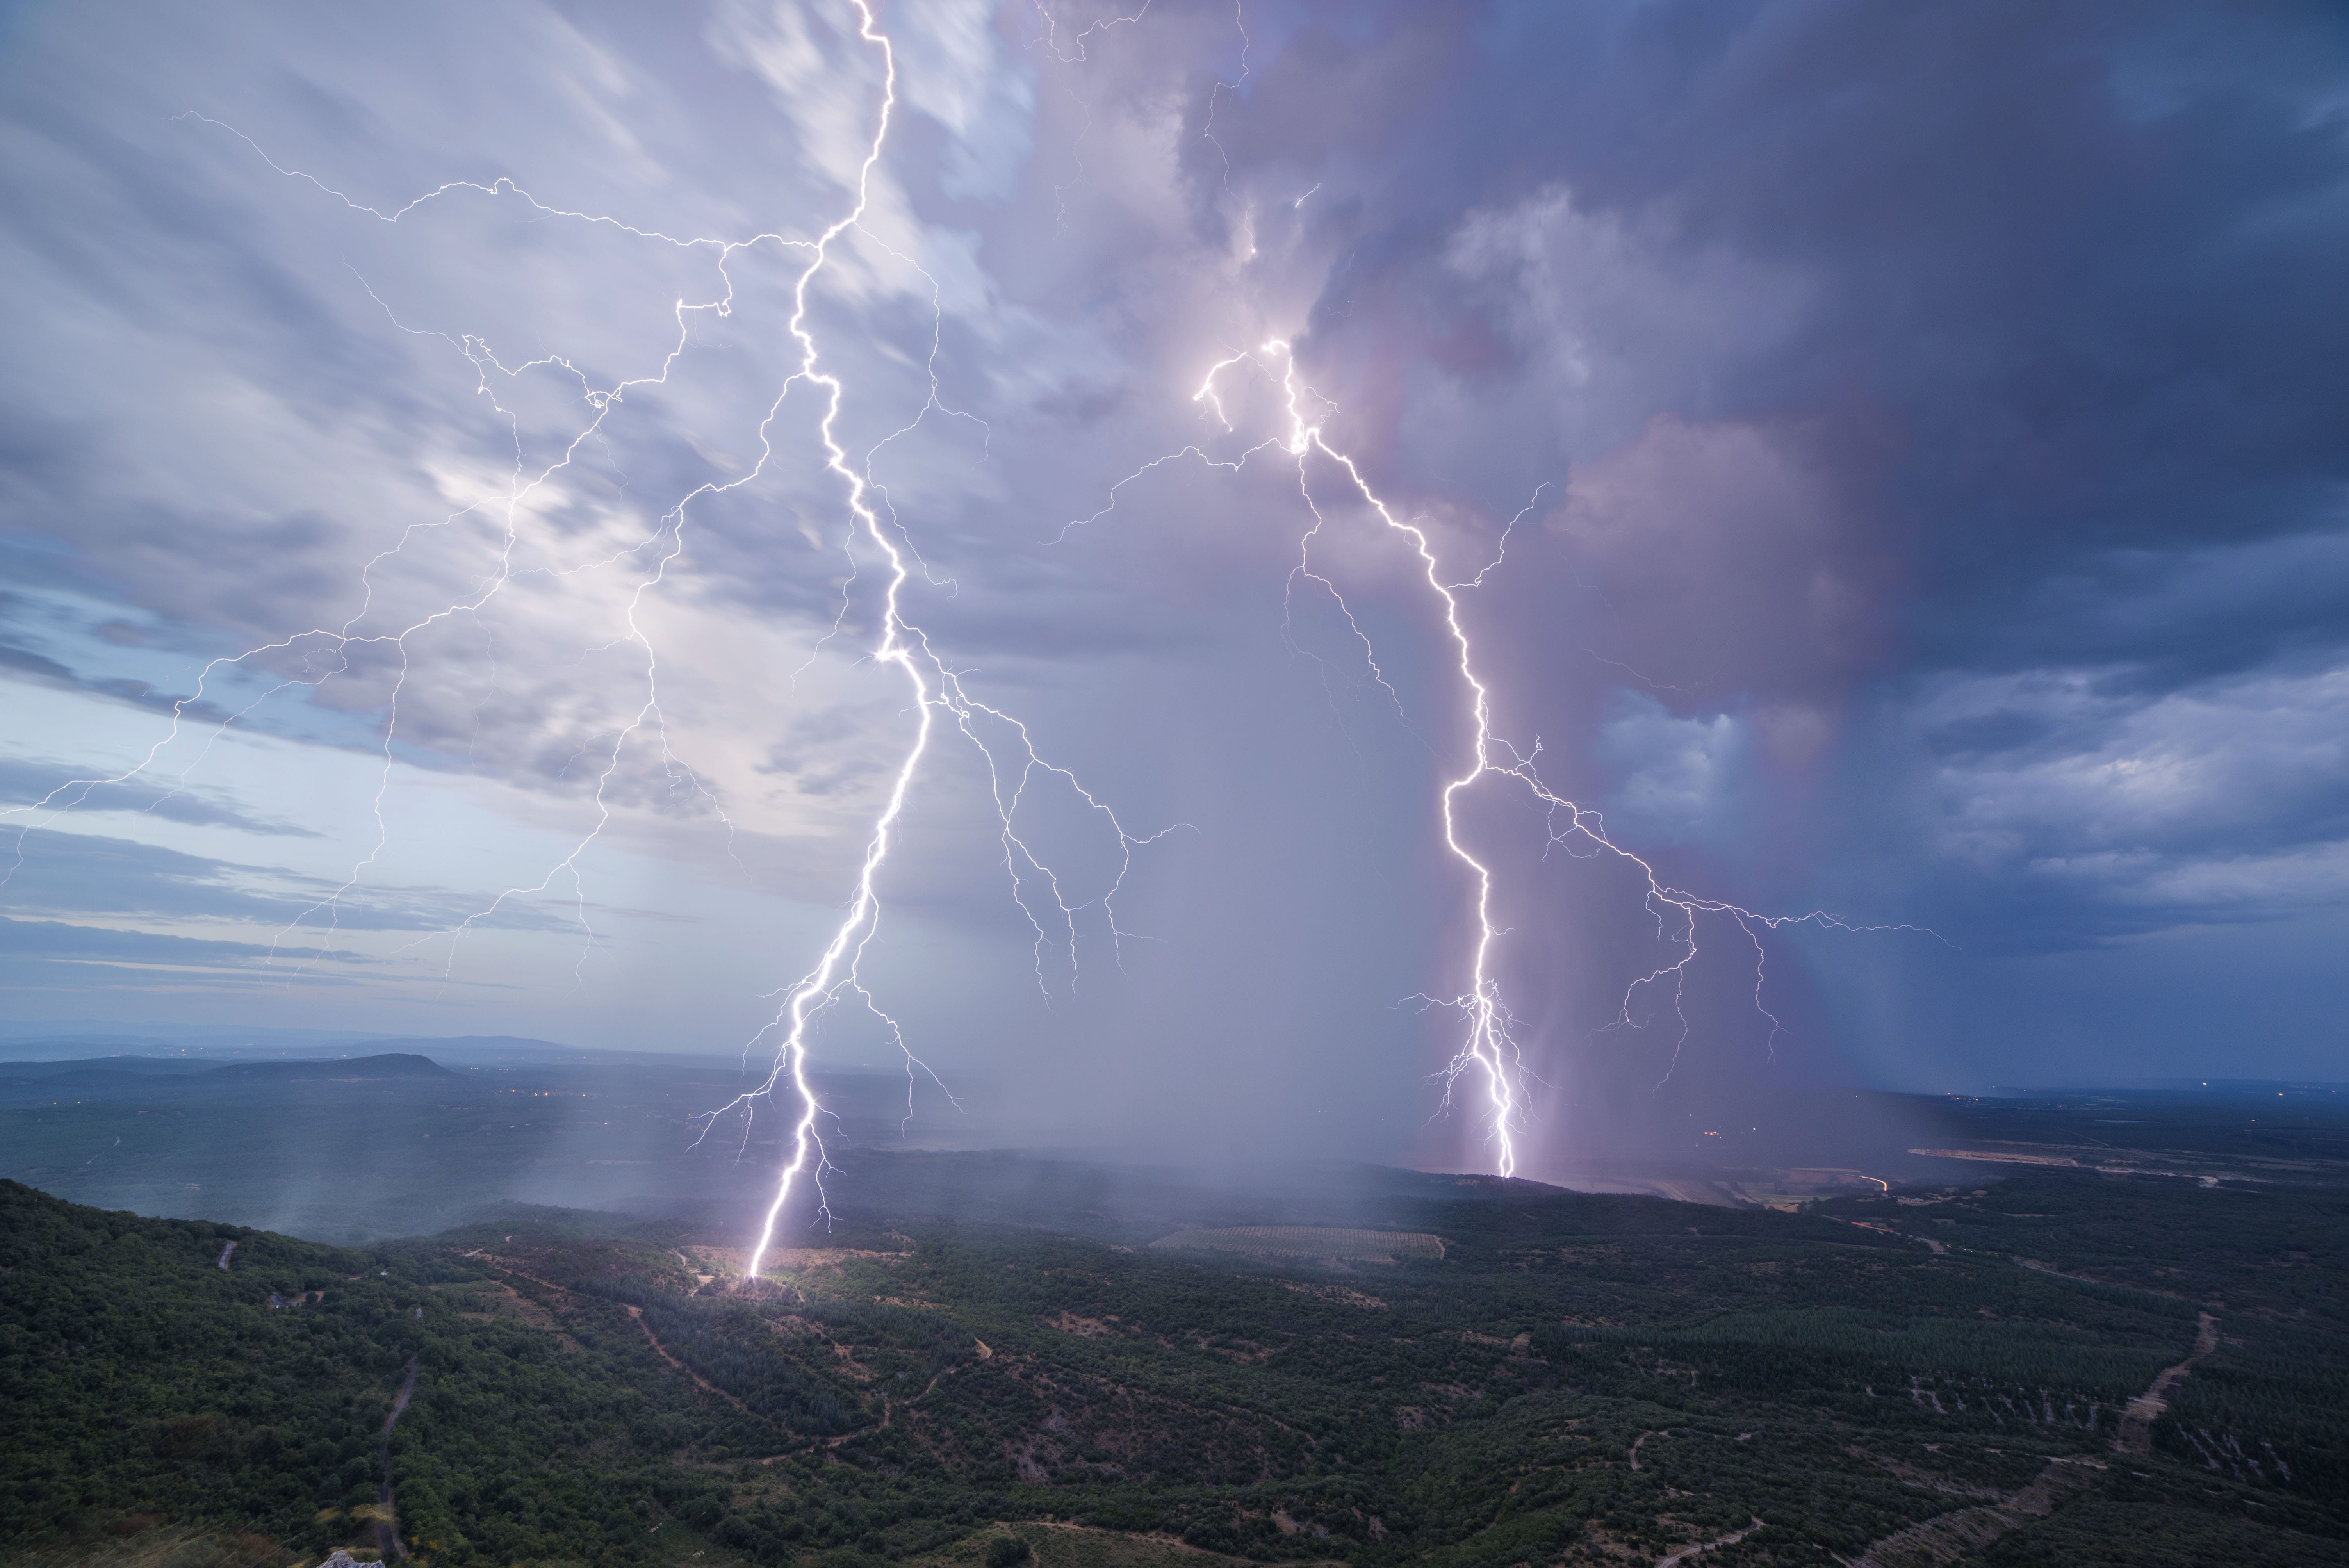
pixel 935 686
pixel 1490 1044
pixel 1489 1047
pixel 907 648
pixel 841 956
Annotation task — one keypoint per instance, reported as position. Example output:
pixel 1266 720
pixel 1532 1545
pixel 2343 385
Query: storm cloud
pixel 1898 453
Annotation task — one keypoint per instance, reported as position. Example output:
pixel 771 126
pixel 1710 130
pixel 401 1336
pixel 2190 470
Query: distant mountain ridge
pixel 382 1064
pixel 89 1042
pixel 121 1073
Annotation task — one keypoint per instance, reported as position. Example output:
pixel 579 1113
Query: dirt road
pixel 387 1526
pixel 2137 1421
pixel 1949 1538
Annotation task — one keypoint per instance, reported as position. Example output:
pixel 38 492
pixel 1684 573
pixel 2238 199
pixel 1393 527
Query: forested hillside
pixel 1573 1379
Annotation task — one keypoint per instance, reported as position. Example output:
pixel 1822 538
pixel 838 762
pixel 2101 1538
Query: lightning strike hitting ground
pixel 1489 1047
pixel 839 963
pixel 1013 763
pixel 905 647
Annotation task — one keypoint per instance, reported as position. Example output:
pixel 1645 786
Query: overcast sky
pixel 1903 448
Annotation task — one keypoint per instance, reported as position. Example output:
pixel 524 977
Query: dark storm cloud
pixel 2160 618
pixel 2053 392
pixel 2089 266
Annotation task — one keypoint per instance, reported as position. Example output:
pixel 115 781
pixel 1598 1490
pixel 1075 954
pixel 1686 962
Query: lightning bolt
pixel 839 965
pixel 1015 766
pixel 1489 1051
pixel 934 686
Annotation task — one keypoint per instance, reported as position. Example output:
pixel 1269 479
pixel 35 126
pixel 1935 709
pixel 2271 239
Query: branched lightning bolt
pixel 1490 1048
pixel 1050 37
pixel 934 686
pixel 1015 765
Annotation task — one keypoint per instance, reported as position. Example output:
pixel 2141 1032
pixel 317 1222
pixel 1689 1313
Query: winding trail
pixel 1731 1540
pixel 387 1526
pixel 2137 1421
pixel 637 1315
pixel 1949 1538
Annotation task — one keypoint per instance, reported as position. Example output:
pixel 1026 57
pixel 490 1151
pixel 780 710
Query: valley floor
pixel 2065 1367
